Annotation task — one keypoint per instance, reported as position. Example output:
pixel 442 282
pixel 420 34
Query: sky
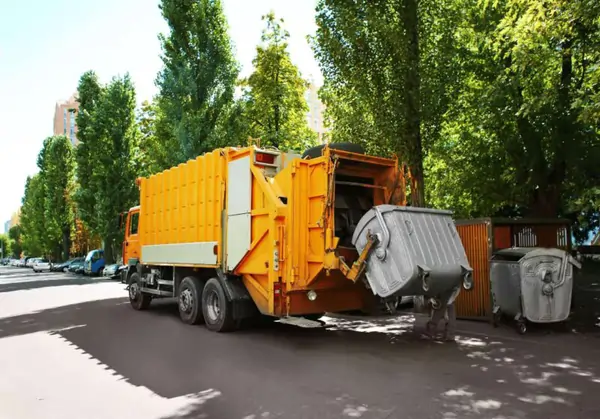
pixel 45 46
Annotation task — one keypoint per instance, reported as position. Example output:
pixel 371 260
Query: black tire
pixel 189 300
pixel 100 271
pixel 138 299
pixel 522 328
pixel 217 309
pixel 317 151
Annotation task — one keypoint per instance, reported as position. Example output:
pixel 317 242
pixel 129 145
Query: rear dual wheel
pixel 205 303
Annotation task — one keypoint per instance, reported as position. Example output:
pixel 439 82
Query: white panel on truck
pixel 239 202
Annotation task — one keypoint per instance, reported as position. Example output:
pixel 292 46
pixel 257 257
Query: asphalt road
pixel 71 347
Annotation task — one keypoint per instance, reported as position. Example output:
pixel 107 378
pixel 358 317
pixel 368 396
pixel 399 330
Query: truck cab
pixel 94 262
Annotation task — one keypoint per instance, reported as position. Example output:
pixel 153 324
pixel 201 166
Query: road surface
pixel 72 347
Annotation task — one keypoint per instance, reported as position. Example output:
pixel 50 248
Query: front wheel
pixel 138 299
pixel 190 300
pixel 217 310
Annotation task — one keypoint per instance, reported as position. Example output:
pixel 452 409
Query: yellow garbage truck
pixel 244 232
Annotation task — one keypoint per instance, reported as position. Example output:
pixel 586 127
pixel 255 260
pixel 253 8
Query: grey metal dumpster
pixel 418 252
pixel 532 284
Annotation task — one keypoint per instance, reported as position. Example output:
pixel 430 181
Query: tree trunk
pixel 412 91
pixel 66 241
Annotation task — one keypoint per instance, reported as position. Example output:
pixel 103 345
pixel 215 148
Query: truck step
pixel 157 292
pixel 164 282
pixel 301 322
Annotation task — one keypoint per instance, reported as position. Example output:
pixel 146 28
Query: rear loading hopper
pixel 414 251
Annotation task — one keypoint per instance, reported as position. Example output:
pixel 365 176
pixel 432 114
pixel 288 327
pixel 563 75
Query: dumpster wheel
pixel 522 328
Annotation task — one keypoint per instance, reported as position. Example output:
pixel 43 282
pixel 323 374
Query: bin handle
pixel 381 249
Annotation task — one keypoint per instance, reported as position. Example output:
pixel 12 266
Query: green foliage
pixel 115 150
pixel 47 216
pixel 198 78
pixel 57 169
pixel 32 216
pixel 5 245
pixel 16 245
pixel 389 72
pixel 275 104
pixel 522 137
pixel 89 96
pixel 156 142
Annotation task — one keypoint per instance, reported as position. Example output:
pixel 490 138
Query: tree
pixel 32 216
pixel 521 138
pixel 89 95
pixel 14 234
pixel 116 151
pixel 276 107
pixel 57 168
pixel 396 62
pixel 157 145
pixel 5 245
pixel 197 81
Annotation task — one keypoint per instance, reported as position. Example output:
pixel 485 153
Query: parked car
pixel 41 265
pixel 113 271
pixel 76 266
pixel 64 266
pixel 94 262
pixel 30 261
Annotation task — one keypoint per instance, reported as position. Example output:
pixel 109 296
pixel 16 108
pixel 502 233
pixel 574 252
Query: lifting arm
pixel 354 273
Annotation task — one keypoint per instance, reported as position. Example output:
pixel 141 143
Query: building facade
pixel 65 113
pixel 316 109
pixel 14 220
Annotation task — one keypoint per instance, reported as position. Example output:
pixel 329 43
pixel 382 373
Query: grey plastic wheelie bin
pixel 418 252
pixel 532 285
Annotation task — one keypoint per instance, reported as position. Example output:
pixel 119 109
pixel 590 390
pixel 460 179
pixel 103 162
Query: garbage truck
pixel 247 232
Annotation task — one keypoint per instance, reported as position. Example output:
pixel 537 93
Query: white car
pixel 41 265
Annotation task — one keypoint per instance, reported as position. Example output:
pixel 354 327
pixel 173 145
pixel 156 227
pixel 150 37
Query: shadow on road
pixel 359 367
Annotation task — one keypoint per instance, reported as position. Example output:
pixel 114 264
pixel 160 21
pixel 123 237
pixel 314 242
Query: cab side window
pixel 133 223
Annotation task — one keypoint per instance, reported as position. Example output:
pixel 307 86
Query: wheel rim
pixel 134 291
pixel 186 300
pixel 213 306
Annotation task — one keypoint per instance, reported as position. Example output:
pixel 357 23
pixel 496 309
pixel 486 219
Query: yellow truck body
pixel 271 221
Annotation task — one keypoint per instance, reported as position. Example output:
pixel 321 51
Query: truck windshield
pixel 90 255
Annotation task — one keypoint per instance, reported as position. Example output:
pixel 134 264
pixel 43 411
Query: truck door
pixel 132 244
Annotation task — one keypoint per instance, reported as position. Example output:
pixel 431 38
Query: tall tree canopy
pixel 522 139
pixel 380 82
pixel 89 95
pixel 117 156
pixel 276 107
pixel 14 234
pixel 57 169
pixel 198 79
pixel 47 210
pixel 32 215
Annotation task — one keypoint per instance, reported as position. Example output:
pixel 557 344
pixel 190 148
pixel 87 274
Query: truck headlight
pixel 312 295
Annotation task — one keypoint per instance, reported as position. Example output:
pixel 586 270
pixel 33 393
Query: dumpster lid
pixel 513 253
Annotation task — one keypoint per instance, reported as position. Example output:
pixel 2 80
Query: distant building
pixel 64 118
pixel 14 220
pixel 316 109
